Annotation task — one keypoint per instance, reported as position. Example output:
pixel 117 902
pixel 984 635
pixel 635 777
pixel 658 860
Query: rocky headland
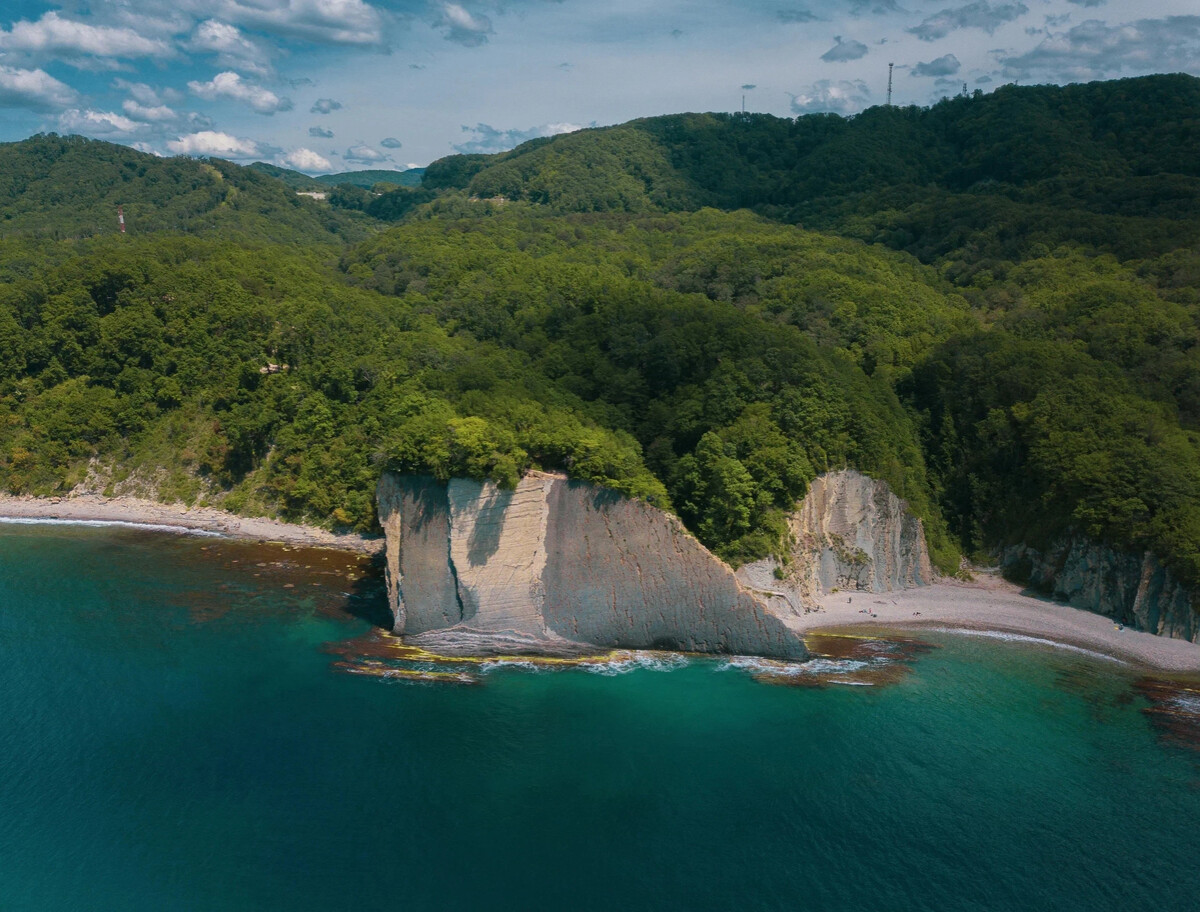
pixel 1132 589
pixel 557 565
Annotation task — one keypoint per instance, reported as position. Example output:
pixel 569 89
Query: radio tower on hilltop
pixel 121 218
pixel 889 101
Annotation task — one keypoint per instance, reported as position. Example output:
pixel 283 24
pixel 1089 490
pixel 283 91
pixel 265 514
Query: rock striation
pixel 1135 590
pixel 850 532
pixel 556 566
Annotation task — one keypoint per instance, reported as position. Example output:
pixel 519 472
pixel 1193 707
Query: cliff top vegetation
pixel 992 303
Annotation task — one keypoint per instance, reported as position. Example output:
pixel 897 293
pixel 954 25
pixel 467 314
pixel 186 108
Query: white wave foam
pixel 102 523
pixel 820 666
pixel 1025 638
pixel 1187 703
pixel 637 661
pixel 523 664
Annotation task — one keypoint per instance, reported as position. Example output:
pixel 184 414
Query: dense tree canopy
pixel 994 304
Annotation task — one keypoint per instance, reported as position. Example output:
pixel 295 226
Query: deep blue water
pixel 173 736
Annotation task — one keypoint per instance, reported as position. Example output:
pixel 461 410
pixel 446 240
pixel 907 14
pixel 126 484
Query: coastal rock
pixel 851 532
pixel 557 566
pixel 1134 590
pixel 414 512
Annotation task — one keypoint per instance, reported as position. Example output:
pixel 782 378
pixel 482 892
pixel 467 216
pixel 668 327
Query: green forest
pixel 992 303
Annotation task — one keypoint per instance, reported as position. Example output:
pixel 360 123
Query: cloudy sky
pixel 333 85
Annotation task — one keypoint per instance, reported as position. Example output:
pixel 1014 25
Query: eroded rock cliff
pixel 1135 590
pixel 558 566
pixel 850 532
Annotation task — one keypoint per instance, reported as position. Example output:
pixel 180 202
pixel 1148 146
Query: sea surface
pixel 176 734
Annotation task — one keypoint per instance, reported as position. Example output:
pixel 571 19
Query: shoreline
pixel 154 516
pixel 985 606
pixel 991 606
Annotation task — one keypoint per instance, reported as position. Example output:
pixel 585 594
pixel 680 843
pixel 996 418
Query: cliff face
pixel 558 566
pixel 850 532
pixel 1137 591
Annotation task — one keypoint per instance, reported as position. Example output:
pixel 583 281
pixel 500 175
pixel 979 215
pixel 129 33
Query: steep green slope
pixel 368 179
pixel 573 304
pixel 70 187
pixel 294 179
pixel 145 365
pixel 1111 165
pixel 688 331
pixel 364 179
pixel 504 343
pixel 1066 217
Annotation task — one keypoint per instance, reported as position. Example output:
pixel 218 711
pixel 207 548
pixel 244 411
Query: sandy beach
pixel 93 508
pixel 990 604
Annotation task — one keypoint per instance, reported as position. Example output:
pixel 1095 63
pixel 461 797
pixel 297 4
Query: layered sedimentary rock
pixel 850 532
pixel 1133 589
pixel 557 566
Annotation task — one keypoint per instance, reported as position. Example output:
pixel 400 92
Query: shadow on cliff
pixel 367 598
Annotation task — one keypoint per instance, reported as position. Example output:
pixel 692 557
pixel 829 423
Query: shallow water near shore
pixel 175 734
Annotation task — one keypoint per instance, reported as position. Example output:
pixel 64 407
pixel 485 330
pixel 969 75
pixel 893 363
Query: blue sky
pixel 333 85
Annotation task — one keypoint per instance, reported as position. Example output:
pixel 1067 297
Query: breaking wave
pixel 108 523
pixel 1030 640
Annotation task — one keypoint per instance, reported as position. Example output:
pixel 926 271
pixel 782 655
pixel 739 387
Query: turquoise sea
pixel 175 735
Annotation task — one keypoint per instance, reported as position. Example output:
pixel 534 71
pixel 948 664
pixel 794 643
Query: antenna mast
pixel 121 218
pixel 889 101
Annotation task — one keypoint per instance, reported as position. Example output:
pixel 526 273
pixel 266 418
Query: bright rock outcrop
pixel 557 566
pixel 850 532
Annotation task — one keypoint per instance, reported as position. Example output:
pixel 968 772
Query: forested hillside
pixel 993 303
pixel 1112 165
pixel 364 179
pixel 66 187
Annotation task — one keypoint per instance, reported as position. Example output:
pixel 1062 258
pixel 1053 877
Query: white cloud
pixel 35 89
pixel 327 21
pixel 796 15
pixel 979 14
pixel 210 142
pixel 230 45
pixel 325 106
pixel 320 133
pixel 390 143
pixel 148 113
pixel 306 160
pixel 840 97
pixel 462 27
pixel 844 50
pixel 1094 49
pixel 230 85
pixel 487 139
pixel 95 123
pixel 946 65
pixel 67 38
pixel 364 154
pixel 144 94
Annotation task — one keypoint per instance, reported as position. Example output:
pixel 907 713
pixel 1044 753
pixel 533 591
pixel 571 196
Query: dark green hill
pixel 364 179
pixel 69 187
pixel 1109 164
pixel 294 179
pixel 583 303
pixel 368 179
